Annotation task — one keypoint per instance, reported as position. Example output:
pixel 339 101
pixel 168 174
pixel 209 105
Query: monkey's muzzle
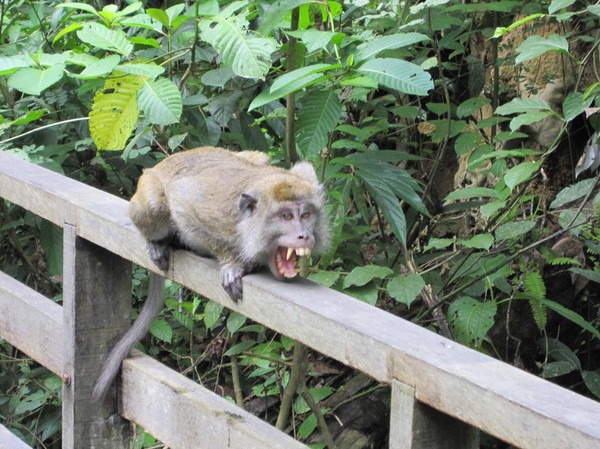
pixel 286 260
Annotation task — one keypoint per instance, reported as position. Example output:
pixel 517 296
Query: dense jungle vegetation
pixel 457 142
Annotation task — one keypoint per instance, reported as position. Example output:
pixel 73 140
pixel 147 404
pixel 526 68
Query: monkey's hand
pixel 231 280
pixel 159 252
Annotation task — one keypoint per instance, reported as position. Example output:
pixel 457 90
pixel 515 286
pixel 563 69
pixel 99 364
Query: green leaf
pixel 159 15
pixel 360 276
pixel 212 313
pixel 269 95
pixel 468 193
pixel 240 347
pixel 515 229
pixel 405 288
pixel 574 104
pixel 161 330
pixel 438 244
pixel 81 6
pixel 276 12
pixel 471 320
pixel 389 42
pixel 148 70
pixel 247 55
pixel 556 369
pixel 521 105
pixel 115 112
pixel 592 381
pixel 307 427
pixel 367 293
pixel 235 321
pixel 99 36
pixel 160 101
pixel 572 193
pixel 100 67
pixel 592 275
pixel 534 284
pixel 51 239
pixel 520 173
pixel 500 31
pixel 479 241
pixel 317 119
pixel 571 316
pixel 33 81
pixel 315 40
pixel 10 64
pixel 557 5
pixel 399 75
pixel 535 46
pixel 528 119
pixel 470 106
pixel 326 278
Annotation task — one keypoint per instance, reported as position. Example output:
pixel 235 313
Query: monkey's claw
pixel 231 280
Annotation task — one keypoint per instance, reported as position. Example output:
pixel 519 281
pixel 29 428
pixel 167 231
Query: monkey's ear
pixel 306 171
pixel 247 204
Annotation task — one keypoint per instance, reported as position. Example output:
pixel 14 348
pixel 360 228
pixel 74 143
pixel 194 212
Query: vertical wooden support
pixel 97 311
pixel 416 426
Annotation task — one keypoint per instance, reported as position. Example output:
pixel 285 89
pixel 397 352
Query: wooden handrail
pixel 511 404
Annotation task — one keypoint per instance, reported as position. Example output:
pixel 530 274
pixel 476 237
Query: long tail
pixel 112 364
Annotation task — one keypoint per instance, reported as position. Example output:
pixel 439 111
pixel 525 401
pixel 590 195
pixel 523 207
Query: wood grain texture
pixel 417 426
pixel 515 406
pixel 97 311
pixel 184 415
pixel 9 440
pixel 32 323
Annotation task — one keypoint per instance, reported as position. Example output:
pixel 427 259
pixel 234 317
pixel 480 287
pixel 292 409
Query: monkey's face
pixel 293 225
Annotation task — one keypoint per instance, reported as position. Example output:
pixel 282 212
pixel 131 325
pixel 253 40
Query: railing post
pixel 414 425
pixel 97 308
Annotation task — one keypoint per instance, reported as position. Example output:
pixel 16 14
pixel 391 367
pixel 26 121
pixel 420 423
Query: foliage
pixel 393 101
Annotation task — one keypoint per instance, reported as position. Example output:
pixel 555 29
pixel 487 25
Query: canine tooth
pixel 290 251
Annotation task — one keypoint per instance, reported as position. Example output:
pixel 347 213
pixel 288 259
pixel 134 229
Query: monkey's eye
pixel 287 216
pixel 305 214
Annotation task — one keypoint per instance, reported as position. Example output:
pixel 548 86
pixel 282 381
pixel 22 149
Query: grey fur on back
pixel 121 350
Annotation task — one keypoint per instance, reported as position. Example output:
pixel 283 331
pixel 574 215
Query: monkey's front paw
pixel 231 280
pixel 159 253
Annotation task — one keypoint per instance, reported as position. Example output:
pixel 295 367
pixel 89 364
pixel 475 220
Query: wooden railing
pixel 442 392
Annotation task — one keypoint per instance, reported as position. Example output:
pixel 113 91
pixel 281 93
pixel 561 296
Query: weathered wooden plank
pixel 414 425
pixel 184 415
pixel 483 392
pixel 97 310
pixel 31 322
pixel 9 440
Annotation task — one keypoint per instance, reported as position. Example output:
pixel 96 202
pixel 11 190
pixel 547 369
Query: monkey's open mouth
pixel 286 259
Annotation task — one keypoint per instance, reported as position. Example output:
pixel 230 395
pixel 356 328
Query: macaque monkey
pixel 232 206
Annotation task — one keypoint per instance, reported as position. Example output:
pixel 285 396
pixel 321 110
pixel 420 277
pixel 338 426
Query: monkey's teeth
pixel 290 251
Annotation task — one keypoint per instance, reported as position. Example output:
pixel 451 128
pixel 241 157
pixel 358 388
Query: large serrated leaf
pixel 115 112
pixel 99 36
pixel 249 56
pixel 471 320
pixel 318 117
pixel 399 75
pixel 160 101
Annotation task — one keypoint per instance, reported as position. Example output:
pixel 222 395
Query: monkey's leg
pixel 149 211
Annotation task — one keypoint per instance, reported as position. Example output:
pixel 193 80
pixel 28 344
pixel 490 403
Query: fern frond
pixel 534 285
